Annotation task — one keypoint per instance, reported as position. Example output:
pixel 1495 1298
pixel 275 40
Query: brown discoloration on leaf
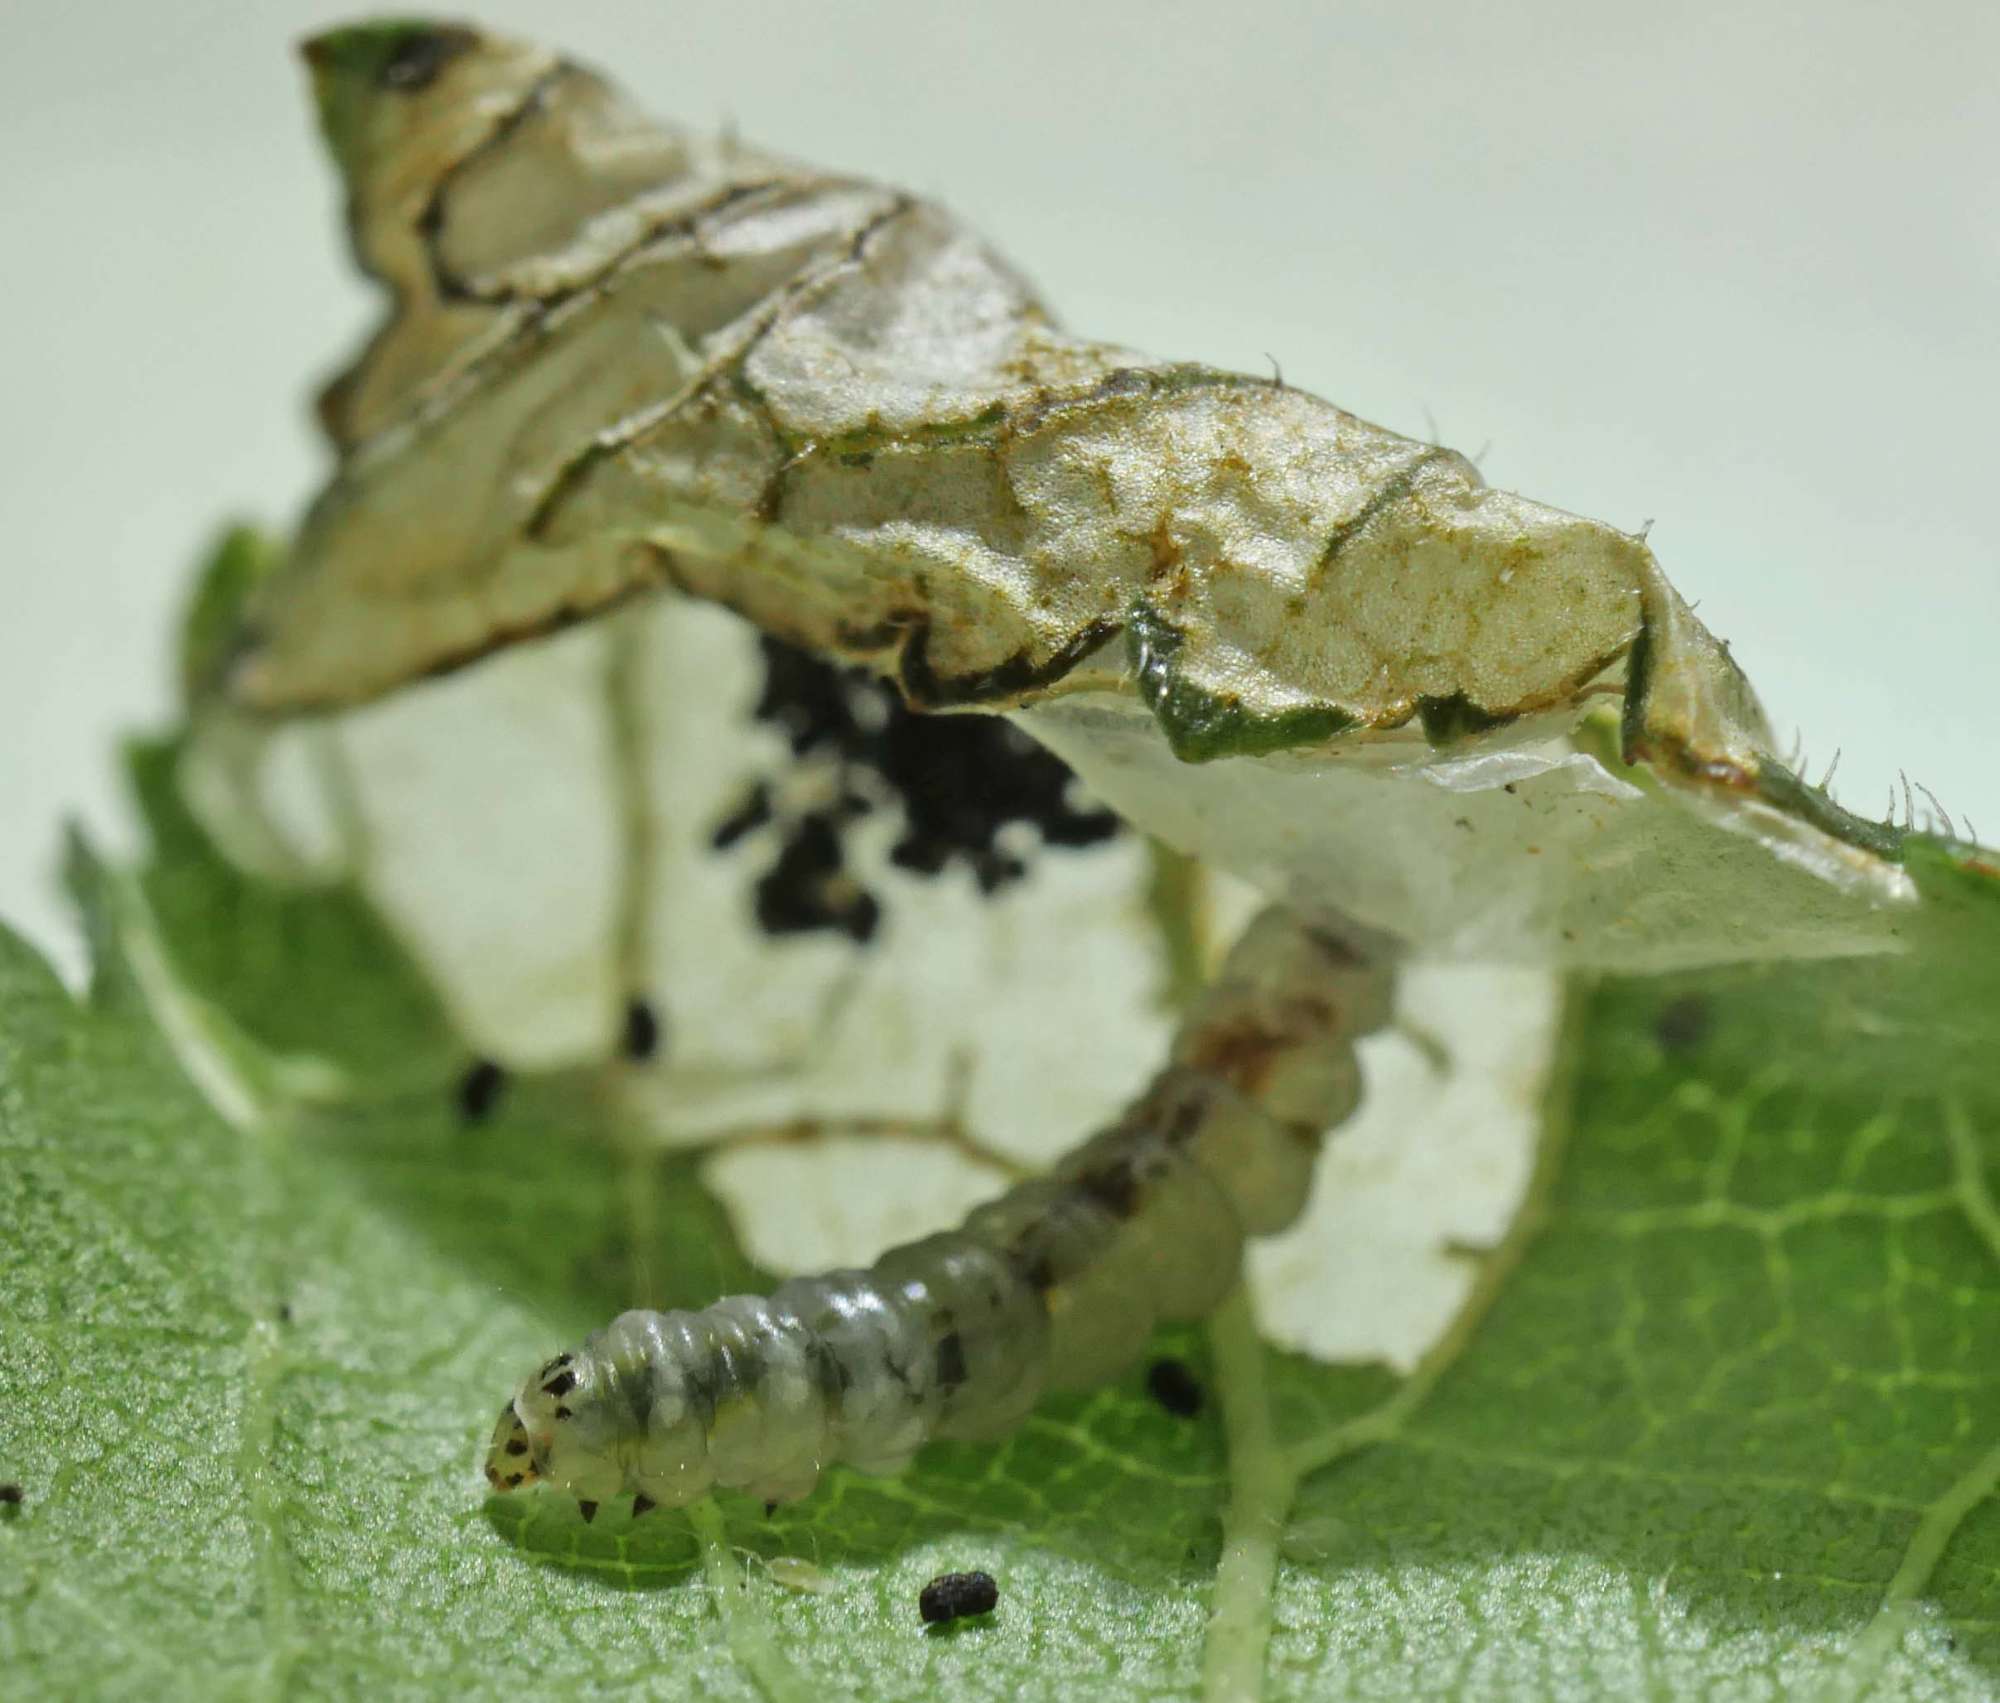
pixel 625 358
pixel 1307 557
pixel 1167 552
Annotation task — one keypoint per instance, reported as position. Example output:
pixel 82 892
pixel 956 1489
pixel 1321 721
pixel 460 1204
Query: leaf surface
pixel 1721 1416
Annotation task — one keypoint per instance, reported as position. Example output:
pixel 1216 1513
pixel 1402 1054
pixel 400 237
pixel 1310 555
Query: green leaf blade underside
pixel 305 970
pixel 1747 1357
pixel 1716 1413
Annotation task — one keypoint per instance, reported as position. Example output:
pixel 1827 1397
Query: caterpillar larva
pixel 1056 1284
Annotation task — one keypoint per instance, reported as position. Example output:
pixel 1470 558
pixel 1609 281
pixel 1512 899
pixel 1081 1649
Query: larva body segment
pixel 1058 1283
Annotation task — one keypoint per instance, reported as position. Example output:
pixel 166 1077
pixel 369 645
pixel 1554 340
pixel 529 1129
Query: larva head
pixel 510 1459
pixel 549 1434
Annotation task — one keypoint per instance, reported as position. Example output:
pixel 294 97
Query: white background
pixel 1730 268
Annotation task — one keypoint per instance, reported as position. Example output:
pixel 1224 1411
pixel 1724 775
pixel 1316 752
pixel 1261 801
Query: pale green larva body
pixel 1057 1284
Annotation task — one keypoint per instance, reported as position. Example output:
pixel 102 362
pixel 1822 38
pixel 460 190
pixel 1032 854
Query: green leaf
pixel 306 971
pixel 239 561
pixel 1722 1415
pixel 1733 1422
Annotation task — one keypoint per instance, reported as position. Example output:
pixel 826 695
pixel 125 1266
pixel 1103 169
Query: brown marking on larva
pixel 561 1411
pixel 517 1446
pixel 1184 1122
pixel 588 1510
pixel 1113 1185
pixel 642 1504
pixel 1242 1051
pixel 493 1476
pixel 514 1480
pixel 560 1385
pixel 830 1377
pixel 951 1368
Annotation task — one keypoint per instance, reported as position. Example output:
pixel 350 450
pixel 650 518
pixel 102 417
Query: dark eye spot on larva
pixel 1682 1024
pixel 1175 1387
pixel 642 1504
pixel 953 1596
pixel 588 1510
pixel 969 789
pixel 642 1031
pixel 479 1091
pixel 560 1385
